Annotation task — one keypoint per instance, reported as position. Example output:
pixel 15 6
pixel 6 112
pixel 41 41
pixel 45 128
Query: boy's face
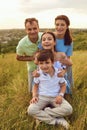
pixel 46 66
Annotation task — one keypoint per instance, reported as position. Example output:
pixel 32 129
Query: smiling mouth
pixel 47 45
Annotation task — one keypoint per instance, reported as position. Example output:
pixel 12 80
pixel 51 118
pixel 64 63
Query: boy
pixel 49 89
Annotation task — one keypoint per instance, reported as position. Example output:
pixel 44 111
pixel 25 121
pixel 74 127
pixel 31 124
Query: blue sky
pixel 14 12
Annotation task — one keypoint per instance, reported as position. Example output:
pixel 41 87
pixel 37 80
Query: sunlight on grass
pixel 14 96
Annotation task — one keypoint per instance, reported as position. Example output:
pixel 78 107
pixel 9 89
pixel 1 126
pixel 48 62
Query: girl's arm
pixel 60 56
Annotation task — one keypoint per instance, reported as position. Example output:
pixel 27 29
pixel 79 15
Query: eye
pixel 43 39
pixel 47 62
pixel 40 63
pixel 57 24
pixel 62 24
pixel 34 28
pixel 29 29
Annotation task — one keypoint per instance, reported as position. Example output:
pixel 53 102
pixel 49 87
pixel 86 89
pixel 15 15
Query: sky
pixel 14 12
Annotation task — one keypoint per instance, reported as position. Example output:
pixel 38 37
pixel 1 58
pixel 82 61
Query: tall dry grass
pixel 14 97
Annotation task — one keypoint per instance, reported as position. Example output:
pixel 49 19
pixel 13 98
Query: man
pixel 28 45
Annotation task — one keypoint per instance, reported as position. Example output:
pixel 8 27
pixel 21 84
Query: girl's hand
pixel 35 73
pixel 61 73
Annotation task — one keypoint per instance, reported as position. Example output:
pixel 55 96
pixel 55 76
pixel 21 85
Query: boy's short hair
pixel 44 55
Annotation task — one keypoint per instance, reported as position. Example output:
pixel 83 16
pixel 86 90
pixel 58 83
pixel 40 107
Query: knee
pixel 31 110
pixel 70 110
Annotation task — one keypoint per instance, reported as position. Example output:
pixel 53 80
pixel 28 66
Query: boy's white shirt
pixel 49 86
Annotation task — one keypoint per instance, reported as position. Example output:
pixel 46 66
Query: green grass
pixel 14 96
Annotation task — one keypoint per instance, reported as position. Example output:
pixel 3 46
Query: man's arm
pixel 25 58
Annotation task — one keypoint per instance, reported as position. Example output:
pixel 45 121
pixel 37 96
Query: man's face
pixel 32 30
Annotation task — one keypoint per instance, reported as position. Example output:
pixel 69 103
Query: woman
pixel 64 43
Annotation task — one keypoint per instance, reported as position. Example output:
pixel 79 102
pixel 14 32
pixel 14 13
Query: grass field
pixel 14 97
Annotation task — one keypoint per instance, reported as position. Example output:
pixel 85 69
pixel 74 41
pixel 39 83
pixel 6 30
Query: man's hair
pixel 44 55
pixel 31 20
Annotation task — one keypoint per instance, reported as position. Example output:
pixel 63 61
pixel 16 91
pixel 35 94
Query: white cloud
pixel 13 13
pixel 33 6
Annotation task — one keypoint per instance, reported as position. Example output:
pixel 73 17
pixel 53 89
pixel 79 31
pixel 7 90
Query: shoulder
pixel 40 34
pixel 55 33
pixel 23 40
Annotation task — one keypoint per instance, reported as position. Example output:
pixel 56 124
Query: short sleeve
pixel 62 80
pixel 40 46
pixel 36 80
pixel 70 50
pixel 19 50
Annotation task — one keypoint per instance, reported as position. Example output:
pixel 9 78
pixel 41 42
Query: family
pixel 49 70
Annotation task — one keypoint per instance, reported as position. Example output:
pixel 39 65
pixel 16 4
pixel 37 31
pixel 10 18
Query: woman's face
pixel 48 41
pixel 60 27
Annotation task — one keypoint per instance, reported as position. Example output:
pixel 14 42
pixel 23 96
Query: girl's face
pixel 60 27
pixel 48 41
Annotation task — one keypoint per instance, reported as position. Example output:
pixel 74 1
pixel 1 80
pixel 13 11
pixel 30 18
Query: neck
pixel 51 73
pixel 59 36
pixel 34 40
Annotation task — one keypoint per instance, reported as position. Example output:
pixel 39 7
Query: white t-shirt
pixel 49 86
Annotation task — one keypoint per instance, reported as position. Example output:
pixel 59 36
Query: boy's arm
pixel 60 96
pixel 63 89
pixel 34 94
pixel 35 90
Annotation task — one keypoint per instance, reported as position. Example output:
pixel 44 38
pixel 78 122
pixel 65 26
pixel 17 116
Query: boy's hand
pixel 34 100
pixel 35 73
pixel 58 99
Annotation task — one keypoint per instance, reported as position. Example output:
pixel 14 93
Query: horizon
pixel 41 28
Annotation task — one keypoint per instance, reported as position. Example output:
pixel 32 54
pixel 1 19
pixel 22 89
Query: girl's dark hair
pixel 49 32
pixel 44 55
pixel 67 37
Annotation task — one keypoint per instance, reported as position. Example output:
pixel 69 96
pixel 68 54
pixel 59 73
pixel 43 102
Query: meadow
pixel 14 96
